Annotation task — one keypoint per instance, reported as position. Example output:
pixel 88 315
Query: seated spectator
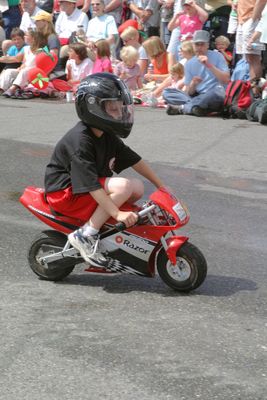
pixel 221 44
pixel 128 70
pixel 78 65
pixel 190 21
pixel 130 37
pixel 68 21
pixel 186 51
pixel 44 24
pixel 147 15
pixel 29 10
pixel 102 62
pixel 14 54
pixel 158 56
pixel 11 80
pixel 206 75
pixel 101 26
pixel 10 15
pixel 175 80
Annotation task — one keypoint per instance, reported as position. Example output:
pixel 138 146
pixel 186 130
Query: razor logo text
pixel 134 247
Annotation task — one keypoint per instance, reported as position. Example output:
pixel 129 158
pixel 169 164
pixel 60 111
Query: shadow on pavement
pixel 214 285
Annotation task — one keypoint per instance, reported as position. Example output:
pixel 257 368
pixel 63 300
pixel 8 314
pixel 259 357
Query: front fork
pixel 172 245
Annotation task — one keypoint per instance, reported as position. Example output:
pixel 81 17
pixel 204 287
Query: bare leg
pixel 255 67
pixel 120 190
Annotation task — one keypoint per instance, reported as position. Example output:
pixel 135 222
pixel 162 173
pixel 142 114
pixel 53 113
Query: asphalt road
pixel 129 338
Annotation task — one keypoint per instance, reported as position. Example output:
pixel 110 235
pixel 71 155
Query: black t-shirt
pixel 80 158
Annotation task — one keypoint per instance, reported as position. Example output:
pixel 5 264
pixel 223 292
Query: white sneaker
pixel 88 246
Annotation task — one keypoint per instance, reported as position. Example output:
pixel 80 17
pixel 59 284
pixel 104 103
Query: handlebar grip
pixel 120 226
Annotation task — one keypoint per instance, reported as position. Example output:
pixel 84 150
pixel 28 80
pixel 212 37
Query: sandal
pixel 20 95
pixel 16 94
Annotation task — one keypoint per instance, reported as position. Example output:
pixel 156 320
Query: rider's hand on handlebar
pixel 129 218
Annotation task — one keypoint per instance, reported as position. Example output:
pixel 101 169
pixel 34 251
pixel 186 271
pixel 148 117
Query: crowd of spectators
pixel 179 53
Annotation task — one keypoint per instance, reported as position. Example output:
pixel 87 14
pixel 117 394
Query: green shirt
pixel 12 3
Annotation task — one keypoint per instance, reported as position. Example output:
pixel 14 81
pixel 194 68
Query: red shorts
pixel 79 206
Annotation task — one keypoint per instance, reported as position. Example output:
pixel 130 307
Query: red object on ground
pixel 38 78
pixel 46 61
pixel 61 86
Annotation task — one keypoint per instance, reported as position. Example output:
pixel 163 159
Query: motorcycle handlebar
pixel 120 226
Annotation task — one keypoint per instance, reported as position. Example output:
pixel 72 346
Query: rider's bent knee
pixel 137 189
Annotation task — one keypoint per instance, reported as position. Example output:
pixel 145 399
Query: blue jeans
pixel 12 19
pixel 212 100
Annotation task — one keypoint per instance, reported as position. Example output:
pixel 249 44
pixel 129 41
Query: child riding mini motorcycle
pixel 84 200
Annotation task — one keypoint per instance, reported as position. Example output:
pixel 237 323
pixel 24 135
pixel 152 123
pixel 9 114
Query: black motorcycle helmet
pixel 104 102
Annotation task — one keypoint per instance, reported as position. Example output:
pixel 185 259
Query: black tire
pixel 192 271
pixel 49 242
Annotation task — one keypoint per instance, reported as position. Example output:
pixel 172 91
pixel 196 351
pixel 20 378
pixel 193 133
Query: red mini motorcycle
pixel 149 246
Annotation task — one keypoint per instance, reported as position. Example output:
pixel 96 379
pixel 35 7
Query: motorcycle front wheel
pixel 188 273
pixel 46 243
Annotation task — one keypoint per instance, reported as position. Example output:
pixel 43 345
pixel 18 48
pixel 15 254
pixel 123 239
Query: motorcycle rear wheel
pixel 189 272
pixel 49 242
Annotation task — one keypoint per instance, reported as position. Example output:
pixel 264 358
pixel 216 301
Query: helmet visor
pixel 110 109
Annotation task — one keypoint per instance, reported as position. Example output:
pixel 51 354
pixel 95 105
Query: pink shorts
pixel 79 206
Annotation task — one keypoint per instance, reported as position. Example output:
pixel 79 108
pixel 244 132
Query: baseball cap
pixel 201 36
pixel 43 16
pixel 68 1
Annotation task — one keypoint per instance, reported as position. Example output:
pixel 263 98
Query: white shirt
pixel 101 27
pixel 80 71
pixel 66 24
pixel 27 22
pixel 29 57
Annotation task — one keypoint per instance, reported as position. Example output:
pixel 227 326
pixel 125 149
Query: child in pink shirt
pixel 102 62
pixel 128 69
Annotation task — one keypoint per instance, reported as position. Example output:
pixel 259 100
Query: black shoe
pixel 198 111
pixel 173 110
pixel 262 114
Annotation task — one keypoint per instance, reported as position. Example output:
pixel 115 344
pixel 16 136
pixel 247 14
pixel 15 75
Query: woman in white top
pixel 101 26
pixel 13 79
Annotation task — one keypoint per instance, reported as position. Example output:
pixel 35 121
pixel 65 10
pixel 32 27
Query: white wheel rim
pixel 43 253
pixel 181 271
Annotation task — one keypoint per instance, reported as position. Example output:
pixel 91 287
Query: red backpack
pixel 238 98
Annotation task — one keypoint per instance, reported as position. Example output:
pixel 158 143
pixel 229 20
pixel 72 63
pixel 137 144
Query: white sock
pixel 88 230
